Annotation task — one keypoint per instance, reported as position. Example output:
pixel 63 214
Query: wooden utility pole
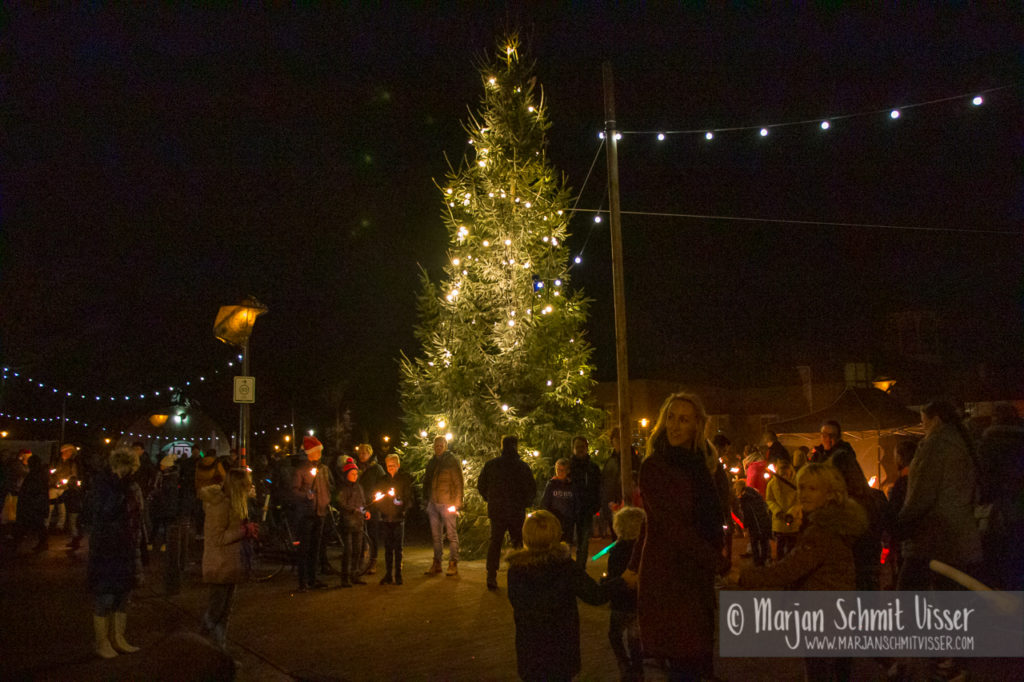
pixel 618 286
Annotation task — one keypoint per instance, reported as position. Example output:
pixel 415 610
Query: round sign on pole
pixel 245 389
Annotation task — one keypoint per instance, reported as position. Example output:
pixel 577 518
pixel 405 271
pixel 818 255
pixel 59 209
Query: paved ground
pixel 431 628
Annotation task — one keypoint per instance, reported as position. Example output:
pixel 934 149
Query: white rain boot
pixel 101 625
pixel 120 619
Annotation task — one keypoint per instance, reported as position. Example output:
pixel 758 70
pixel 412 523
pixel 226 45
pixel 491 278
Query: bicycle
pixel 277 547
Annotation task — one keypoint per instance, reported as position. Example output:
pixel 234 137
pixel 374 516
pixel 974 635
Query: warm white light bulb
pixel 661 136
pixel 709 135
pixel 511 323
pixel 504 408
pixel 508 242
pixel 894 114
pixel 764 132
pixel 600 135
pixel 578 259
pixel 597 218
pixel 977 101
pixel 825 125
pixel 455 261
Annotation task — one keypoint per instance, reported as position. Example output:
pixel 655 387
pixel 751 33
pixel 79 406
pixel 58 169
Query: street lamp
pixel 233 326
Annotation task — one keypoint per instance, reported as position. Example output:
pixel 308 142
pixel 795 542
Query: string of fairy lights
pixel 823 125
pixel 95 396
pixel 125 432
pixel 10 373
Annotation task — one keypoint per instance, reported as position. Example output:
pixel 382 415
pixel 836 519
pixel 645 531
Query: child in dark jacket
pixel 394 497
pixel 756 520
pixel 560 499
pixel 543 585
pixel 623 622
pixel 352 515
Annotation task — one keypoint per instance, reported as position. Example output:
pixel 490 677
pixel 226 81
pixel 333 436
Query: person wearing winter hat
pixel 311 496
pixel 66 494
pixel 163 501
pixel 351 504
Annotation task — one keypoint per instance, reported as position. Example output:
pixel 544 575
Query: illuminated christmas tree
pixel 501 335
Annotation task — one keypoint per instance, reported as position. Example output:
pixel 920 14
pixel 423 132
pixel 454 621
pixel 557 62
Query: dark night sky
pixel 160 164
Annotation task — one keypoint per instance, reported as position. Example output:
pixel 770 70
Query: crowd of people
pixel 957 499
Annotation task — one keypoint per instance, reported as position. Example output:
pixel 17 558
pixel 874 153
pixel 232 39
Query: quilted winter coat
pixel 222 546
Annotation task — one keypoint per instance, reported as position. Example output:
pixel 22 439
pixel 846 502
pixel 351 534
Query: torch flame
pixel 378 496
pixel 452 509
pixel 873 481
pixel 313 470
pixel 391 492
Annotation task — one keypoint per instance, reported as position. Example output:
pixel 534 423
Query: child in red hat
pixel 353 514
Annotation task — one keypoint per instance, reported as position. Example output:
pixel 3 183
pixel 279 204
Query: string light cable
pixel 786 221
pixel 825 123
pixel 105 429
pixel 579 254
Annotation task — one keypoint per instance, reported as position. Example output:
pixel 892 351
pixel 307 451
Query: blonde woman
pixel 675 560
pixel 227 511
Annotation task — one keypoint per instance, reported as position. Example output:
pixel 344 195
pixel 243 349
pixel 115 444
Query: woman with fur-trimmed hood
pixel 543 585
pixel 823 556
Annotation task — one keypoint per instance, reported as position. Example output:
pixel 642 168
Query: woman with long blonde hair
pixel 675 559
pixel 227 510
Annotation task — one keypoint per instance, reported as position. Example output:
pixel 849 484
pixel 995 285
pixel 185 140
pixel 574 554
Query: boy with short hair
pixel 543 585
pixel 560 499
pixel 392 499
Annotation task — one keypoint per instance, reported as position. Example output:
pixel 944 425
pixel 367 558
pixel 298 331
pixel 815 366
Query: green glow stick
pixel 604 551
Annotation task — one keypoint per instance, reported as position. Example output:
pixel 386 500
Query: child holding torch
pixel 350 502
pixel 394 496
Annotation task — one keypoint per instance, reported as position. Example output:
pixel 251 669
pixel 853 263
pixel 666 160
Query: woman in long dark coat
pixel 33 505
pixel 680 549
pixel 114 550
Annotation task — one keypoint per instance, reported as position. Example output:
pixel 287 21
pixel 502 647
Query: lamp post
pixel 233 326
